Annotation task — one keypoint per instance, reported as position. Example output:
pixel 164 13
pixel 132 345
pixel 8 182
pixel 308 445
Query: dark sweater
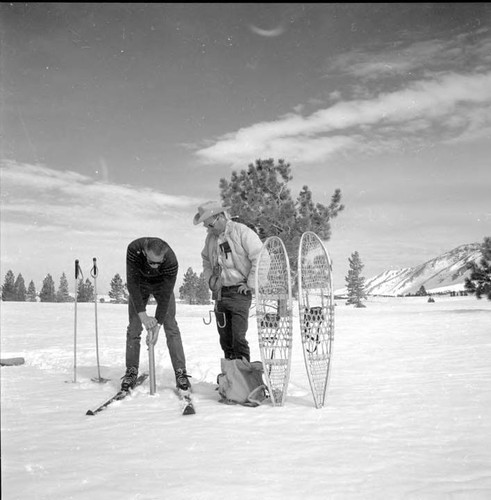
pixel 159 281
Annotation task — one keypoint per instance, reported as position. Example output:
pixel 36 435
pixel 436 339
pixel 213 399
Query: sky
pixel 118 120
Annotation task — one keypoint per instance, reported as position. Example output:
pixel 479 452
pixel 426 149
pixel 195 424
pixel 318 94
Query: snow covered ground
pixel 408 411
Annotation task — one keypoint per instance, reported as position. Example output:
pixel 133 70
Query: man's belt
pixel 231 287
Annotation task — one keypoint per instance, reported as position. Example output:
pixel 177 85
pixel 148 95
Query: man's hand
pixel 153 335
pixel 148 322
pixel 151 326
pixel 243 288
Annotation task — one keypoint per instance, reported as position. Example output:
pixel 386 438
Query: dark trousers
pixel 232 317
pixel 171 329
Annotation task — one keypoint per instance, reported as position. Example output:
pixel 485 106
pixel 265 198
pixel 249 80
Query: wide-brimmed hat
pixel 208 209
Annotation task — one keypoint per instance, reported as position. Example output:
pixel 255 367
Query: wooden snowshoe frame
pixel 274 317
pixel 316 308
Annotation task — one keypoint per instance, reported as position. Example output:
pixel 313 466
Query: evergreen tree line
pixel 14 289
pixel 194 289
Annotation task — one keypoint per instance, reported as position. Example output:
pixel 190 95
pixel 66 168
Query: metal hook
pixel 208 322
pixel 218 323
pixel 224 321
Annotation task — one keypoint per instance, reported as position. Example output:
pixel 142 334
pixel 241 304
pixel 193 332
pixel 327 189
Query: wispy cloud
pixel 412 60
pixel 48 216
pixel 439 99
pixel 360 123
pixel 38 194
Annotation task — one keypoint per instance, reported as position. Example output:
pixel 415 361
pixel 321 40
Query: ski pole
pixel 94 273
pixel 75 324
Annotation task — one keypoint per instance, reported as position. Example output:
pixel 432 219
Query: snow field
pixel 408 411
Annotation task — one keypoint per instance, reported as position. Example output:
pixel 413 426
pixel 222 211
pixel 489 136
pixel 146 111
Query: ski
pixel 186 401
pixel 118 396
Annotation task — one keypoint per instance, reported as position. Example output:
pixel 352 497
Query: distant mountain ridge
pixel 446 271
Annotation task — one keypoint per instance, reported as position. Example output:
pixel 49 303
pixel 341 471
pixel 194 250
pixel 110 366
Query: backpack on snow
pixel 241 382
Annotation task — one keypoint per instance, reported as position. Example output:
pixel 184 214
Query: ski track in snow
pixel 407 414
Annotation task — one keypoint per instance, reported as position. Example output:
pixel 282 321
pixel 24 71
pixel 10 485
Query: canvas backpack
pixel 241 382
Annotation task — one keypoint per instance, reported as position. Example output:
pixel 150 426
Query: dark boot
pixel 182 382
pixel 129 379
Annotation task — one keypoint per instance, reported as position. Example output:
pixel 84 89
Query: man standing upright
pixel 229 258
pixel 151 269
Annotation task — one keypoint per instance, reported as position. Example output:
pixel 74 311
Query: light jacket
pixel 245 245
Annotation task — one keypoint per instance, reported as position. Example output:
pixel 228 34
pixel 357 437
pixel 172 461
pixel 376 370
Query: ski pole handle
pixel 76 268
pixel 94 270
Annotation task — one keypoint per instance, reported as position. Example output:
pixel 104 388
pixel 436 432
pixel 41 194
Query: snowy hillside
pixel 407 415
pixel 445 272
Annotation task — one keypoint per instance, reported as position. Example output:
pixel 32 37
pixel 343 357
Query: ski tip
pixel 90 412
pixel 189 410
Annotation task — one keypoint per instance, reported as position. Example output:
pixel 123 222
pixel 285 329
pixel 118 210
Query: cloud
pixel 62 200
pixel 50 217
pixel 363 123
pixel 412 60
pixel 424 92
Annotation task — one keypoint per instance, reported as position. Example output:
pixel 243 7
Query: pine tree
pixel 85 291
pixel 89 290
pixel 117 293
pixel 31 292
pixel 63 295
pixel 355 282
pixel 187 291
pixel 47 293
pixel 8 287
pixel 202 290
pixel 479 282
pixel 20 289
pixel 260 195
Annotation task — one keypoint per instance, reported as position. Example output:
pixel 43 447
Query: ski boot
pixel 129 379
pixel 182 380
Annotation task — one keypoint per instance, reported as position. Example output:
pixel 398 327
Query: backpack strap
pixel 257 396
